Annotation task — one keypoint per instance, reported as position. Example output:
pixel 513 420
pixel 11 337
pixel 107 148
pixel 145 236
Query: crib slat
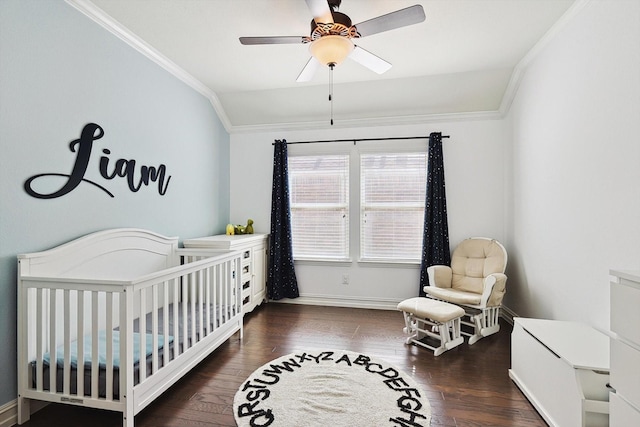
pixel 223 268
pixel 200 303
pixel 216 298
pixel 109 349
pixel 165 325
pixel 154 331
pixel 228 272
pixel 123 373
pixel 185 307
pixel 142 316
pixel 39 341
pixel 80 345
pixel 53 357
pixel 229 305
pixel 66 367
pixel 207 299
pixel 192 306
pixel 94 345
pixel 176 327
pixel 238 294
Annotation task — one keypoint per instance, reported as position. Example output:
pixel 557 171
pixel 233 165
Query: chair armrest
pixel 494 290
pixel 440 276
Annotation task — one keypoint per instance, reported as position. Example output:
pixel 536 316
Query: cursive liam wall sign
pixel 123 168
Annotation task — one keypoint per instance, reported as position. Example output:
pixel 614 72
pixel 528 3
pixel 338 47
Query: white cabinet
pixel 254 249
pixel 625 348
pixel 563 369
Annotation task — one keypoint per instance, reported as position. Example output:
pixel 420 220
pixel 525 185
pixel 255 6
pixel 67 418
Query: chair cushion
pixel 472 261
pixel 454 295
pixel 428 308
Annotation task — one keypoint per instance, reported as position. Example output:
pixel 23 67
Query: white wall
pixel 59 70
pixel 474 175
pixel 574 180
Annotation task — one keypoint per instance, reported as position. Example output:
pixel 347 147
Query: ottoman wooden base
pixel 424 317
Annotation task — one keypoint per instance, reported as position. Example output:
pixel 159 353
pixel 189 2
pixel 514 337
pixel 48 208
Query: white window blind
pixel 319 193
pixel 392 200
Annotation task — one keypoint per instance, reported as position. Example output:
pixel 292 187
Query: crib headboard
pixel 116 254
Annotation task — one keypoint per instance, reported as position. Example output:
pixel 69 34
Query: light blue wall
pixel 59 71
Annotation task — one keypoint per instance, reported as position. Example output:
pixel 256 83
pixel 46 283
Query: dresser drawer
pixel 625 371
pixel 246 271
pixel 625 310
pixel 621 413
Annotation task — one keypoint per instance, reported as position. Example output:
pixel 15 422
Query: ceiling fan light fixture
pixel 331 49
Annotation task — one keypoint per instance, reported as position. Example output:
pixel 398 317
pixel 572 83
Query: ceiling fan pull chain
pixel 331 66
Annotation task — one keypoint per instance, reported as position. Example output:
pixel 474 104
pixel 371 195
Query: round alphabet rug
pixel 330 388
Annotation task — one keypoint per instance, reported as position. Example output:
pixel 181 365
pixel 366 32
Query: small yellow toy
pixel 230 230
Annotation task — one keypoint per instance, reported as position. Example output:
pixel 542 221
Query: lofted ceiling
pixel 459 61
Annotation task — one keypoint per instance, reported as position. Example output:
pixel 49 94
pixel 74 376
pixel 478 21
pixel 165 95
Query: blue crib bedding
pixel 102 349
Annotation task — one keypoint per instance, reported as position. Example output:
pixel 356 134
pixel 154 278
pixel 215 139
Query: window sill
pixel 328 262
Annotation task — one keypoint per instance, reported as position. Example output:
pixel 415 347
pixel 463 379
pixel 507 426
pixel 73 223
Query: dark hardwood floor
pixel 466 386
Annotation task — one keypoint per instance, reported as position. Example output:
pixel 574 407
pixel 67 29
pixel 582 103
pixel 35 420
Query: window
pixel 392 200
pixel 379 195
pixel 319 193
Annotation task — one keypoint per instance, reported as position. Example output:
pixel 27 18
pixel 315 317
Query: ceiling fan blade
pixel 400 18
pixel 309 70
pixel 369 60
pixel 272 40
pixel 321 11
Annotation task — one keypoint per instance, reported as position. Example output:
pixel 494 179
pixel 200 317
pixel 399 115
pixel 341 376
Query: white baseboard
pixel 371 303
pixel 343 301
pixel 9 411
pixel 9 414
pixel 507 314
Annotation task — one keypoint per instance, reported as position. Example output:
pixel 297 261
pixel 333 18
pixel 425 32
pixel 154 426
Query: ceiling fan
pixel 332 34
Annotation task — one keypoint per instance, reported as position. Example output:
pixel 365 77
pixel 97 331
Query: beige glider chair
pixel 475 281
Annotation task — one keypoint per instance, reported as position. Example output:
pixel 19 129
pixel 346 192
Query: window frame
pixel 297 152
pixel 364 208
pixel 354 151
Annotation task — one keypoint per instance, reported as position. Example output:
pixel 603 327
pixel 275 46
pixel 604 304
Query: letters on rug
pixel 330 388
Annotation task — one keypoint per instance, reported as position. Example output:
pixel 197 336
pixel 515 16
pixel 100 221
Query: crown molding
pixel 368 122
pixel 523 64
pixel 99 16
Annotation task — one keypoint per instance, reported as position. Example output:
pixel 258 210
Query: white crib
pixel 114 318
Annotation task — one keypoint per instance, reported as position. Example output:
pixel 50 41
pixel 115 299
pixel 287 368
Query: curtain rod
pixel 354 140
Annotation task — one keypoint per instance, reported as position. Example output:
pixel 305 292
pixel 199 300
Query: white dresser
pixel 625 348
pixel 563 369
pixel 254 250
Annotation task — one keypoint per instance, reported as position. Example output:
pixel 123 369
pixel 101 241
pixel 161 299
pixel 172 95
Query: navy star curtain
pixel 435 243
pixel 281 282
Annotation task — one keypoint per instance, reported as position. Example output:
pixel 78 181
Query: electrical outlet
pixel 345 279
